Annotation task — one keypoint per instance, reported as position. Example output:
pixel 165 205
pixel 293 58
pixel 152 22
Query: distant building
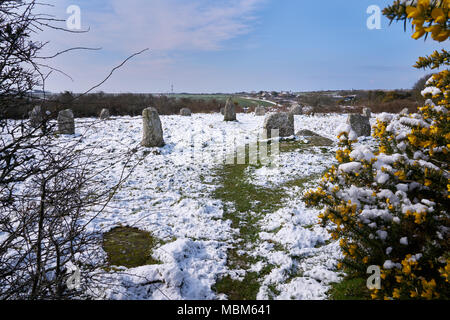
pixel 349 98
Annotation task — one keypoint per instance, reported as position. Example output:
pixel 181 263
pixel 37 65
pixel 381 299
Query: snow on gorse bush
pixel 389 206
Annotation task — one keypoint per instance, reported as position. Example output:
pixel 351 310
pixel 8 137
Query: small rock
pixel 315 139
pixel 185 112
pixel 319 141
pixel 307 133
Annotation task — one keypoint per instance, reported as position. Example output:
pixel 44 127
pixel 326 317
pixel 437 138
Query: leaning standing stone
pixel 36 117
pixel 359 124
pixel 282 121
pixel 66 122
pixel 230 111
pixel 185 112
pixel 153 133
pixel 104 114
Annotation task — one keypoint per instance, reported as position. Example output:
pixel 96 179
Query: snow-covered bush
pixel 389 206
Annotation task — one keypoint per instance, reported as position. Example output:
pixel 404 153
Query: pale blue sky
pixel 236 45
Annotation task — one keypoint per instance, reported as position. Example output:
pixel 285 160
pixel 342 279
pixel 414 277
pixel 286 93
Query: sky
pixel 209 46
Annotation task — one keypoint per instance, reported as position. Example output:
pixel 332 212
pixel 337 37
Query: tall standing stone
pixel 230 111
pixel 153 132
pixel 282 121
pixel 66 122
pixel 104 114
pixel 36 117
pixel 360 125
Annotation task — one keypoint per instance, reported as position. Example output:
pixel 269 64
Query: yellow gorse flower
pixel 424 13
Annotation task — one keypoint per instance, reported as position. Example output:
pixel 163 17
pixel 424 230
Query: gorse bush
pixel 389 206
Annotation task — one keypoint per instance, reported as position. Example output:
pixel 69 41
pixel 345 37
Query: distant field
pixel 223 97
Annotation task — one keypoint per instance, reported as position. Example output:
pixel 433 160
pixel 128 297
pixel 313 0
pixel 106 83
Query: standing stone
pixel 282 121
pixel 404 112
pixel 36 117
pixel 66 122
pixel 308 111
pixel 260 111
pixel 359 124
pixel 296 110
pixel 104 115
pixel 230 111
pixel 185 112
pixel 367 112
pixel 153 133
pixel 222 111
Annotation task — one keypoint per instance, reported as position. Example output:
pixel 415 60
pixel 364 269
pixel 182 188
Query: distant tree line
pixel 126 104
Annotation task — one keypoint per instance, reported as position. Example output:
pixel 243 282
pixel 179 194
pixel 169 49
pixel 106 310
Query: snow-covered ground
pixel 170 195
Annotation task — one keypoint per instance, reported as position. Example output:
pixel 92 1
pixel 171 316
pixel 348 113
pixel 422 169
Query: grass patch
pixel 239 261
pixel 129 247
pixel 245 204
pixel 292 146
pixel 245 196
pixel 300 145
pixel 247 289
pixel 300 182
pixel 273 291
pixel 350 289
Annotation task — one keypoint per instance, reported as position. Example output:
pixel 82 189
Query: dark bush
pixel 119 104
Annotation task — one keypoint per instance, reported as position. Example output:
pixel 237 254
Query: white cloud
pixel 166 25
pixel 181 25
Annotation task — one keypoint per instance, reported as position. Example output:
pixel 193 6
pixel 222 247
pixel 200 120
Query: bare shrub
pixel 50 188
